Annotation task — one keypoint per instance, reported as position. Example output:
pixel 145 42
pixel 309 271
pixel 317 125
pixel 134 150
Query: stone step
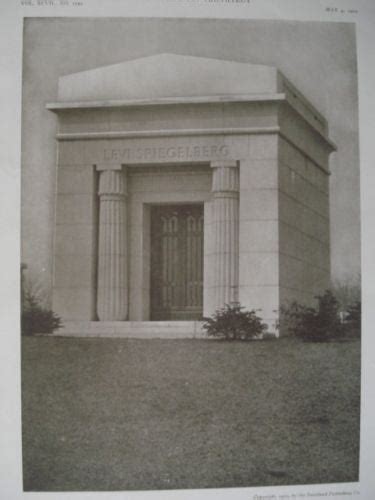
pixel 132 329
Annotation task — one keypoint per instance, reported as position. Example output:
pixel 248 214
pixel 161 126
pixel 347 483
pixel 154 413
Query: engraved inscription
pixel 166 153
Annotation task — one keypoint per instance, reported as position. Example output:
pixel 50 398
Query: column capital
pixel 112 183
pixel 225 178
pixel 100 167
pixel 224 163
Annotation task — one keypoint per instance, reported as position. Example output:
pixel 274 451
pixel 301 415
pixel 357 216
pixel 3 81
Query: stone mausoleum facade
pixel 185 183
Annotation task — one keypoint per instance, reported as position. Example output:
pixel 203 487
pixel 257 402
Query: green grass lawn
pixel 118 414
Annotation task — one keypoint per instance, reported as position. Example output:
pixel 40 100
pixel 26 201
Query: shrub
pixel 37 319
pixel 352 325
pixel 354 313
pixel 34 317
pixel 291 317
pixel 233 323
pixel 319 325
pixel 347 292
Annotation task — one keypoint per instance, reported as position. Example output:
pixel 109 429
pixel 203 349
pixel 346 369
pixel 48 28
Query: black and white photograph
pixel 191 302
pixel 187 263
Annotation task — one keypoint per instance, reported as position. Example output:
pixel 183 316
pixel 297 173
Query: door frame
pixel 150 188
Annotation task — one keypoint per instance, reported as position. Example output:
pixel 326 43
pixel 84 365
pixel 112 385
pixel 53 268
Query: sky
pixel 318 58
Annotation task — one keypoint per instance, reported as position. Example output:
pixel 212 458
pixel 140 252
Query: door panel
pixel 176 262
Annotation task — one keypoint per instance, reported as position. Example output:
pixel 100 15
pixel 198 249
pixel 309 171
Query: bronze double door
pixel 176 262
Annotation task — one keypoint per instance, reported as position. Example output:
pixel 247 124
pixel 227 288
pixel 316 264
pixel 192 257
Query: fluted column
pixel 225 205
pixel 112 254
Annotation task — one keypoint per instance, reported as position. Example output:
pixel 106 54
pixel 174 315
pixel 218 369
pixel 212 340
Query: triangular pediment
pixel 168 76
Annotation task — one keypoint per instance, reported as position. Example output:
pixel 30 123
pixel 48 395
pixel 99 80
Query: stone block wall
pixel 259 239
pixel 303 226
pixel 75 243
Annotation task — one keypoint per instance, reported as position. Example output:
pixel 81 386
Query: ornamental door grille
pixel 176 262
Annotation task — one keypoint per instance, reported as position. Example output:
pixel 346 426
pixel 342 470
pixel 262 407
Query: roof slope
pixel 167 75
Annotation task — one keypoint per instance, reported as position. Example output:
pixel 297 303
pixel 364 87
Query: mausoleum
pixel 185 183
